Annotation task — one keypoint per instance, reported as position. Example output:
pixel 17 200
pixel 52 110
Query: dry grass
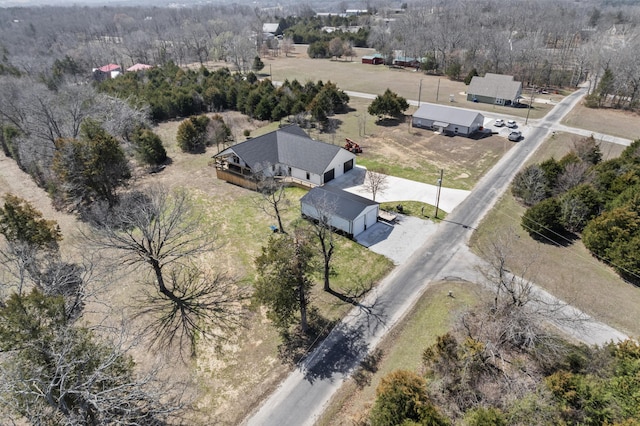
pixel 402 348
pixel 624 124
pixel 568 272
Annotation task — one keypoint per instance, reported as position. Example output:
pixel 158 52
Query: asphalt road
pixel 302 397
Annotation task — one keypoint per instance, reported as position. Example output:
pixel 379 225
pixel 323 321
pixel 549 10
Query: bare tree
pixel 67 374
pixel 162 232
pixel 272 189
pixel 375 182
pixel 287 46
pixel 324 209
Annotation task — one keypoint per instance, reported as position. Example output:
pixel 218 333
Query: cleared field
pixel 569 272
pixel 624 124
pixel 352 74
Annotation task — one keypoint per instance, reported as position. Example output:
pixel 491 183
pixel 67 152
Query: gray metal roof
pixel 495 86
pixel 446 114
pixel 341 203
pixel 289 146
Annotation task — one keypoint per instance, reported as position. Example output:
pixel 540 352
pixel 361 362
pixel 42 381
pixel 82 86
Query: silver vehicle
pixel 515 136
pixel 499 122
pixel 512 124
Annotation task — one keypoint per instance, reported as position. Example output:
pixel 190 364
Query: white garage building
pixel 344 211
pixel 448 120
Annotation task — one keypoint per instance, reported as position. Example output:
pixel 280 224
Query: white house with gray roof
pixel 448 120
pixel 289 152
pixel 495 89
pixel 342 210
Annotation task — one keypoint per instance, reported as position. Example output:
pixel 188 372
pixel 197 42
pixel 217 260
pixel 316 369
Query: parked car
pixel 499 122
pixel 515 136
pixel 512 124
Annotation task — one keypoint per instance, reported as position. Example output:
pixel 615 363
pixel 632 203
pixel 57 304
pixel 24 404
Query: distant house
pixel 107 71
pixel 375 59
pixel 448 120
pixel 270 28
pixel 494 89
pixel 288 153
pixel 344 211
pixel 139 67
pixel 406 61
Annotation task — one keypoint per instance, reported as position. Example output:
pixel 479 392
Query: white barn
pixel 449 120
pixel 344 211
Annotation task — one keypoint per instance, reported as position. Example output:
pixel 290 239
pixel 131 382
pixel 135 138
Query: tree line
pixel 174 92
pixel 580 195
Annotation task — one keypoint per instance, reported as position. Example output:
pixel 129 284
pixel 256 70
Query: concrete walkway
pixel 399 189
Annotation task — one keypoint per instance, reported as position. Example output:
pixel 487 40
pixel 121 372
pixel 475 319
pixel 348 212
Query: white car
pixel 512 124
pixel 515 136
pixel 499 122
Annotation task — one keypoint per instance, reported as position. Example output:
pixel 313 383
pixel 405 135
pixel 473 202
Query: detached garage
pixel 448 120
pixel 344 211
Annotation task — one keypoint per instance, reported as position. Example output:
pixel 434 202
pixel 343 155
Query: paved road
pixel 301 398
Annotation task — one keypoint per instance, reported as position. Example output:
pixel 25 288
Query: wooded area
pixel 84 140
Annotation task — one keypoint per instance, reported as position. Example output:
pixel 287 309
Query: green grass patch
pixel 415 208
pixel 245 227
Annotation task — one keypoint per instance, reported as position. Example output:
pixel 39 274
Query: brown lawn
pixel 624 124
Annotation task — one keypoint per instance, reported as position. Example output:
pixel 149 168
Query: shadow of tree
pixel 346 346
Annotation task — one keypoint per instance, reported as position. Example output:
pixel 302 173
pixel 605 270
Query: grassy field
pixel 624 124
pixel 569 272
pixel 355 76
pixel 432 316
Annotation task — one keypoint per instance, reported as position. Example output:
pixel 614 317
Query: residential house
pixel 342 210
pixel 375 59
pixel 448 120
pixel 106 72
pixel 406 61
pixel 271 28
pixel 495 89
pixel 287 153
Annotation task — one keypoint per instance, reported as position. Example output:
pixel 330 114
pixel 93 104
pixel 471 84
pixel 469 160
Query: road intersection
pixel 303 395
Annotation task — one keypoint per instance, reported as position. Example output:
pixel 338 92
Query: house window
pixel 308 176
pixel 289 171
pixel 455 130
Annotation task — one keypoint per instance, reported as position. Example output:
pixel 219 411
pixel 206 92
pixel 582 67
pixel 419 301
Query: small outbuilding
pixel 342 210
pixel 447 120
pixel 107 71
pixel 495 89
pixel 375 59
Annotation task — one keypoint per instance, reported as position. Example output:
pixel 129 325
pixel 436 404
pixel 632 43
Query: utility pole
pixel 438 193
pixel 526 120
pixel 419 92
pixel 438 90
pixel 270 75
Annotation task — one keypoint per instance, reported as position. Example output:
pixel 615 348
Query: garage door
pixel 329 175
pixel 348 165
